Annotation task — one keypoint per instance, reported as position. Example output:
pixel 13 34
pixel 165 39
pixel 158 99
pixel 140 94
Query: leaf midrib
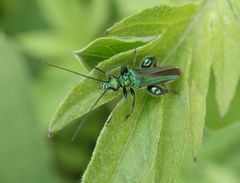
pixel 155 157
pixel 128 140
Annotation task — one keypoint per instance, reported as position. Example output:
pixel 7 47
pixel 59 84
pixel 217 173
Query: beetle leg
pixel 154 63
pixel 133 103
pixel 125 93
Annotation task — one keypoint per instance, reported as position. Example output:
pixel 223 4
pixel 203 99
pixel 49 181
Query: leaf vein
pixel 128 140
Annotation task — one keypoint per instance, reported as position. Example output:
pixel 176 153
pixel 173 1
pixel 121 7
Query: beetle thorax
pixel 124 80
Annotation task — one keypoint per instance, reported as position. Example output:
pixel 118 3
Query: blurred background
pixel 33 31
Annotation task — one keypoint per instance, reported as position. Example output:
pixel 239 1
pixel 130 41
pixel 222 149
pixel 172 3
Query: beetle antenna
pixel 86 117
pixel 74 72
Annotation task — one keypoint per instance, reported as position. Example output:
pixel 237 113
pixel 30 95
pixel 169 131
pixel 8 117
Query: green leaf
pixel 179 2
pixel 115 154
pixel 104 48
pixel 83 95
pixel 200 66
pixel 152 21
pixel 213 118
pixel 174 135
pixel 226 64
pixel 130 140
pixel 80 99
pixel 206 37
pixel 188 38
pixel 215 156
pixel 139 134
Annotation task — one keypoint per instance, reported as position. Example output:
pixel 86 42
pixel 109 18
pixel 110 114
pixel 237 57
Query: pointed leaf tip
pixel 50 134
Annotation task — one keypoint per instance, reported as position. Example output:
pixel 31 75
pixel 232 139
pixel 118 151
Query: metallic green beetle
pixel 148 75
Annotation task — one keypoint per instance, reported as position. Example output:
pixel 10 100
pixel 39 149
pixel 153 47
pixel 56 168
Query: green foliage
pixel 152 21
pixel 150 145
pixel 121 151
pixel 213 119
pixel 20 131
pixel 218 162
pixel 104 48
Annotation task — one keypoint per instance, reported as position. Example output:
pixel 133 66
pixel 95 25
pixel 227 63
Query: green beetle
pixel 148 76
